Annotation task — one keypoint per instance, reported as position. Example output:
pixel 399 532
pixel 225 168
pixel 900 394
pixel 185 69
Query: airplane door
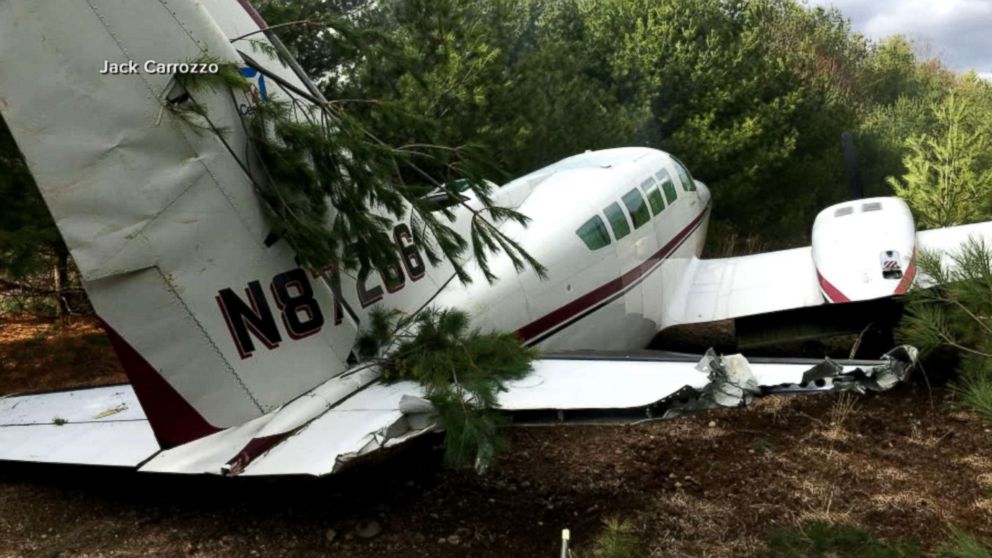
pixel 638 256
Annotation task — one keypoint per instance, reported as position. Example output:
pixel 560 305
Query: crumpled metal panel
pixel 368 421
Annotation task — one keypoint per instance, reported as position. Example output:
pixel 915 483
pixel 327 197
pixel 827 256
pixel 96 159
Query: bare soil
pixel 905 464
pixel 38 355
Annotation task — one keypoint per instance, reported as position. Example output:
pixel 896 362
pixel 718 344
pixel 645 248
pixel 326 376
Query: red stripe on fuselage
pixel 907 278
pixel 832 293
pixel 590 299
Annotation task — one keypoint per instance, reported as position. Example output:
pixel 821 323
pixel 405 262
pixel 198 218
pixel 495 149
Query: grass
pixel 975 391
pixel 843 407
pixel 817 539
pixel 963 545
pixel 822 540
pixel 814 539
pixel 618 540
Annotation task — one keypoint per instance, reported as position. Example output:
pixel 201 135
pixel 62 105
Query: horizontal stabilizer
pixel 97 426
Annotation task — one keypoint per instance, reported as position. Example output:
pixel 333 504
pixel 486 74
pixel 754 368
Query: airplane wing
pixel 724 288
pixel 841 266
pixel 106 426
pixel 949 239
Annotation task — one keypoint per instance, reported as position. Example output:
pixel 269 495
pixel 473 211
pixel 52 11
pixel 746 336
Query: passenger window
pixel 618 221
pixel 637 207
pixel 654 196
pixel 594 233
pixel 688 184
pixel 667 185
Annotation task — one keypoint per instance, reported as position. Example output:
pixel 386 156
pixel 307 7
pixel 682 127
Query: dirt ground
pixel 905 464
pixel 35 355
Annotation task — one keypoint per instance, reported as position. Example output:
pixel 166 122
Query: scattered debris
pixel 733 384
pixel 111 411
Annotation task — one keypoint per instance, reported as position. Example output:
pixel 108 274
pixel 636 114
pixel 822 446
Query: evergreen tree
pixel 34 262
pixel 462 371
pixel 945 181
pixel 952 309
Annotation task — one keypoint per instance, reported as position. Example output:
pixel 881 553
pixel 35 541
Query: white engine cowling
pixel 864 249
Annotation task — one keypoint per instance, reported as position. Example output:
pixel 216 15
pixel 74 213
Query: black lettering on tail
pixel 246 321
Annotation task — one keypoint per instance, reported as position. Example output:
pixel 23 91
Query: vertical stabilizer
pixel 213 317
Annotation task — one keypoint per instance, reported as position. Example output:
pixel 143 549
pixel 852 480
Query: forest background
pixel 752 95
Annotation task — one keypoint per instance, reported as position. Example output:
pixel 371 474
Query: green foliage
pixel 963 545
pixel 753 96
pixel 975 391
pixel 948 180
pixel 462 371
pixel 323 34
pixel 333 190
pixel 30 244
pixel 27 306
pixel 27 233
pixel 618 540
pixel 956 313
pixel 513 76
pixel 817 539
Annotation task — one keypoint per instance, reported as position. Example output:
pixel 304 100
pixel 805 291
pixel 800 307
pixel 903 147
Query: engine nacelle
pixel 864 249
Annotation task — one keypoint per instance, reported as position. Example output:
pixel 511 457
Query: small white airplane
pixel 239 359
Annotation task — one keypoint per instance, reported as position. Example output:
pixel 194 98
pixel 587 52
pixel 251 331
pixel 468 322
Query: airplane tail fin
pixel 214 319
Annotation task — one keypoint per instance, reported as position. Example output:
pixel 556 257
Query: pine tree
pixel 462 371
pixel 952 309
pixel 30 244
pixel 945 181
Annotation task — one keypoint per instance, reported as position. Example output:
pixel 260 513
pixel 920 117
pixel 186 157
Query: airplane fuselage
pixel 616 230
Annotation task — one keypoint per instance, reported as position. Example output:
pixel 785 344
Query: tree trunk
pixel 61 277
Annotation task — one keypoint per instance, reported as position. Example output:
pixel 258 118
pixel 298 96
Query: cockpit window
pixel 618 221
pixel 637 207
pixel 667 185
pixel 593 232
pixel 654 196
pixel 688 184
